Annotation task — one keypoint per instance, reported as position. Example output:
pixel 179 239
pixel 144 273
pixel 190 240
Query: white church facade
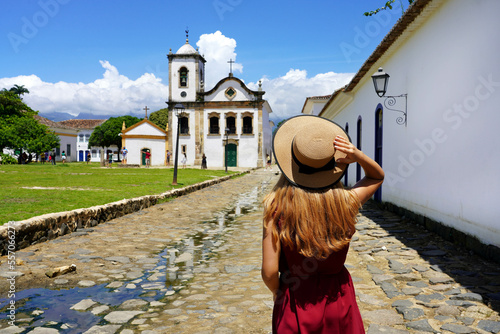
pixel 441 158
pixel 143 137
pixel 229 121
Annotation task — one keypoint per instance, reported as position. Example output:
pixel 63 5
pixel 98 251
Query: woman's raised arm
pixel 374 174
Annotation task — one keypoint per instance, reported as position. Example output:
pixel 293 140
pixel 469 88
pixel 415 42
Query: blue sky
pixel 68 52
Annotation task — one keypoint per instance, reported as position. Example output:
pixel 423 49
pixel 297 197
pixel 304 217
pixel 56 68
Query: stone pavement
pixel 192 265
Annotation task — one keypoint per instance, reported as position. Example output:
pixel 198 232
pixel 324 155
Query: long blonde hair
pixel 316 222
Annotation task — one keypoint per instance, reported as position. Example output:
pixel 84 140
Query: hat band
pixel 305 169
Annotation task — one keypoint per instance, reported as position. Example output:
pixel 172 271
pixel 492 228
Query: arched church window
pixel 247 125
pixel 184 125
pixel 214 125
pixel 183 77
pixel 231 124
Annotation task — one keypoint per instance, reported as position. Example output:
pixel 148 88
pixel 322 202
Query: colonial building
pixel 143 137
pixel 435 132
pixel 74 135
pixel 314 104
pixel 85 128
pixel 67 136
pixel 229 121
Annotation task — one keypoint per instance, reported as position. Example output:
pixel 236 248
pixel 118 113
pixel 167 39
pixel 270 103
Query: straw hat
pixel 304 151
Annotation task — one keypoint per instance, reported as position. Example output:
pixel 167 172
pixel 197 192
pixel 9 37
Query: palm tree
pixel 19 90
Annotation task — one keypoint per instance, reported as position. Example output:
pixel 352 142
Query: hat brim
pixel 282 143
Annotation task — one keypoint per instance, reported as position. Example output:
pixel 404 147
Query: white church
pixel 228 119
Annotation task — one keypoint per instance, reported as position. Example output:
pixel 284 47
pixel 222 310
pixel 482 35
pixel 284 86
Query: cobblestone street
pixel 192 265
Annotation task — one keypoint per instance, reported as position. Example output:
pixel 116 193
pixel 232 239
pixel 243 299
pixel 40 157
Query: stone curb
pixel 52 225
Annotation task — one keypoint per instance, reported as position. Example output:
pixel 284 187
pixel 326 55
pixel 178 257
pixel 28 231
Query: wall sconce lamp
pixel 380 82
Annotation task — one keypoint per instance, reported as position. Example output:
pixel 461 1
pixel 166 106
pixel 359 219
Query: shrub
pixel 8 159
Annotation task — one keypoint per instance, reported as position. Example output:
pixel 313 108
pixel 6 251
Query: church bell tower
pixel 186 73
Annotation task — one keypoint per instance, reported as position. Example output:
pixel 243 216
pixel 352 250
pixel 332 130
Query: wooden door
pixel 231 155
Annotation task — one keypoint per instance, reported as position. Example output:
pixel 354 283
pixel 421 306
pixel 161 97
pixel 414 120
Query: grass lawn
pixel 35 189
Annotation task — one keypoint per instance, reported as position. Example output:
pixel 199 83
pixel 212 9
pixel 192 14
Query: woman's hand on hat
pixel 345 146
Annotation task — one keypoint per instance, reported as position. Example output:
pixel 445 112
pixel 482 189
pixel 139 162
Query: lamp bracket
pixel 390 101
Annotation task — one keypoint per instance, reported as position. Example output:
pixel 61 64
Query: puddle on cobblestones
pixel 176 266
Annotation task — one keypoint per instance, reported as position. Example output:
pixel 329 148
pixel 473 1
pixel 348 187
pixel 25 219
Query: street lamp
pixel 226 132
pixel 380 83
pixel 178 109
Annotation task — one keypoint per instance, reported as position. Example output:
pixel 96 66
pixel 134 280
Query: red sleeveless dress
pixel 315 296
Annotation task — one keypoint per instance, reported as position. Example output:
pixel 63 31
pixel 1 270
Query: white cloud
pixel 113 94
pixel 217 50
pixel 286 95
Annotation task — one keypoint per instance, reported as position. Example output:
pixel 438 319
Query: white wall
pixel 214 150
pixel 187 140
pixel 266 133
pixel 219 94
pixel 136 145
pixel 156 147
pixel 190 90
pixel 65 140
pixel 444 163
pixel 317 107
pixel 247 151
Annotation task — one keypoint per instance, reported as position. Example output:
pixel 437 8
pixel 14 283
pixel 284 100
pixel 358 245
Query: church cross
pixel 146 108
pixel 231 62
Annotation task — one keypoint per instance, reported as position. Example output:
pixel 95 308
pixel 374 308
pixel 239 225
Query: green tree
pixel 107 134
pixel 19 90
pixel 160 118
pixel 388 5
pixel 278 125
pixel 20 130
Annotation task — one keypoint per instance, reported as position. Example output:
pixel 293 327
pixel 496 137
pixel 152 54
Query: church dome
pixel 186 49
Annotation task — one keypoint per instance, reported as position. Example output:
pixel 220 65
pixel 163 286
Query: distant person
pixel 184 160
pixel 204 161
pixel 63 157
pixel 168 157
pixel 53 157
pixel 89 157
pixel 268 162
pixel 110 159
pixel 42 158
pixel 124 155
pixel 148 159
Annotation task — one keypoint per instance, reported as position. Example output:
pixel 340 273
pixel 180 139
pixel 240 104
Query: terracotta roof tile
pixel 52 124
pixel 83 123
pixel 323 97
pixel 413 12
pixel 334 95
